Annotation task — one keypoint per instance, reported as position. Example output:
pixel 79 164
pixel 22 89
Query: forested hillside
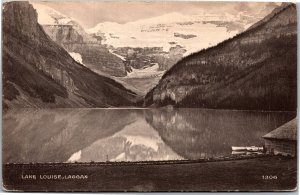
pixel 254 70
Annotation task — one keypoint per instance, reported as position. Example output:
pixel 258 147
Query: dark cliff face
pixel 95 56
pixel 39 73
pixel 255 70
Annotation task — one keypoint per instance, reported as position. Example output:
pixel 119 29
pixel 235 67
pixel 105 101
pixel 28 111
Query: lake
pixel 100 135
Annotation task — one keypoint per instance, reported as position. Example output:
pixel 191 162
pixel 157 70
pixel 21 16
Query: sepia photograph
pixel 149 96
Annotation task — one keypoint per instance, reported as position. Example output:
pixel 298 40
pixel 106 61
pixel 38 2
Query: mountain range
pixel 49 60
pixel 191 31
pixel 117 50
pixel 256 69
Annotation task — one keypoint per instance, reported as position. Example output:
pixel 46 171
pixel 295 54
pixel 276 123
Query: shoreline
pixel 154 162
pixel 152 108
pixel 228 175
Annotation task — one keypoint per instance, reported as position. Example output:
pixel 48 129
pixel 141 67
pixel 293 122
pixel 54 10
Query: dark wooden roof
pixel 288 131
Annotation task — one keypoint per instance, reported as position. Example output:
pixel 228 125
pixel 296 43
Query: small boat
pixel 235 148
pixel 238 152
pixel 249 149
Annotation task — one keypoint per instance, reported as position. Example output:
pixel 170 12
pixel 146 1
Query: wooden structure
pixel 283 140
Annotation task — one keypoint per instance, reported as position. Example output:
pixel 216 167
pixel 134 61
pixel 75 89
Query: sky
pixel 90 13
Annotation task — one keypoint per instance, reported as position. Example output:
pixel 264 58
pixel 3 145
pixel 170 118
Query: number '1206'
pixel 269 177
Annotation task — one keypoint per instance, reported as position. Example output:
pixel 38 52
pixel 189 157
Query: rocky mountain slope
pixel 256 69
pixel 143 57
pixel 71 36
pixel 39 73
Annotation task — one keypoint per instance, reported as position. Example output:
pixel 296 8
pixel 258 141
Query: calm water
pixel 85 135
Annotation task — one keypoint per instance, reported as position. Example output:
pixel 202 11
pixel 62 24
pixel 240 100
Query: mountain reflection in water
pixel 85 135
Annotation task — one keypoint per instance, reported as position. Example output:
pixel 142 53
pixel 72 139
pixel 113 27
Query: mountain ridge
pixel 214 71
pixel 37 72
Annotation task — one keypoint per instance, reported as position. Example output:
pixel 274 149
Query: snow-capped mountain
pixel 193 32
pixel 132 51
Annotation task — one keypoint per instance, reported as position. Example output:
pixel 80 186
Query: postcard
pixel 159 96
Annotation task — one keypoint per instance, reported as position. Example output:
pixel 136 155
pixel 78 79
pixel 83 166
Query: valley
pixel 114 50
